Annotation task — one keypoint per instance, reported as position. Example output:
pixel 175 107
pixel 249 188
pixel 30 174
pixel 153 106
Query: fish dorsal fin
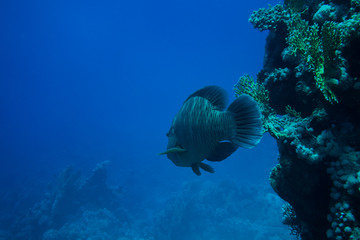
pixel 214 94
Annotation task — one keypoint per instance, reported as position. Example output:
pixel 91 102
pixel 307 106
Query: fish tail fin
pixel 248 123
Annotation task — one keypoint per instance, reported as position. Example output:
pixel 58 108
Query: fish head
pixel 172 139
pixel 174 150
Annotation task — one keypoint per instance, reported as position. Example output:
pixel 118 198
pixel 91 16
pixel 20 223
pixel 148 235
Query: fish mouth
pixel 173 150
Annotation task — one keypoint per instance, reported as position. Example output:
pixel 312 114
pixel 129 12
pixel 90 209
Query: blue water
pixel 82 82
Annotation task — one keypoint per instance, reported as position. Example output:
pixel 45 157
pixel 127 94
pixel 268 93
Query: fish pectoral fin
pixel 206 167
pixel 196 169
pixel 173 150
pixel 223 150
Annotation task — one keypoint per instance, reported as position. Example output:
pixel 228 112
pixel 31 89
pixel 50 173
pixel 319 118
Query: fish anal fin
pixel 196 169
pixel 222 151
pixel 214 94
pixel 206 167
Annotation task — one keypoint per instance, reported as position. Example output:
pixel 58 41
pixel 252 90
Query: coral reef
pixel 76 209
pixel 312 78
pixel 205 210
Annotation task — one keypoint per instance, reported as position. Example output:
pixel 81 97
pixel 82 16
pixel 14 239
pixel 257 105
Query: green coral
pixel 275 125
pixel 299 35
pixel 355 3
pixel 280 127
pixel 272 123
pixel 247 85
pixel 317 49
pixel 317 45
pixel 292 112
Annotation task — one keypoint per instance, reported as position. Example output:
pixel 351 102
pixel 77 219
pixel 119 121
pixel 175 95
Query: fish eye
pixel 171 129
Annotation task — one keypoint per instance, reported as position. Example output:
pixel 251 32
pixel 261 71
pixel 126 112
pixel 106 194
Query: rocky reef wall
pixel 309 94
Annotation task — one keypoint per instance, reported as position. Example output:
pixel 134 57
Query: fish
pixel 204 130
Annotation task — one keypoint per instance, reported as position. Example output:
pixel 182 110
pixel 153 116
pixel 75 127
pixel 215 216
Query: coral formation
pixel 204 210
pixel 77 209
pixel 311 74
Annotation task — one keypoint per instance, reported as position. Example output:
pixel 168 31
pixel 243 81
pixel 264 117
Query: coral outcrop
pixel 79 209
pixel 224 210
pixel 76 209
pixel 311 80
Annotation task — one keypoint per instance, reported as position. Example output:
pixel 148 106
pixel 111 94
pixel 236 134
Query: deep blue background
pixel 86 81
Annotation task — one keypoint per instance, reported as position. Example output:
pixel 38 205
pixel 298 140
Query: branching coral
pixel 247 85
pixel 317 49
pixel 278 126
pixel 355 3
pixel 319 149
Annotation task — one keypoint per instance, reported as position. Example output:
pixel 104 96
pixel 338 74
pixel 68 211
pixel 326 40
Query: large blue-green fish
pixel 203 129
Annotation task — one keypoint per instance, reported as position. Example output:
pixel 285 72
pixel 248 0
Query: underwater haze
pixel 88 91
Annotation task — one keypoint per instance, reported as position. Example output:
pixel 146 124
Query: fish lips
pixel 174 154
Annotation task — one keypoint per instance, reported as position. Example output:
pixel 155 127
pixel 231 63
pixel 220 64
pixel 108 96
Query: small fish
pixel 202 129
